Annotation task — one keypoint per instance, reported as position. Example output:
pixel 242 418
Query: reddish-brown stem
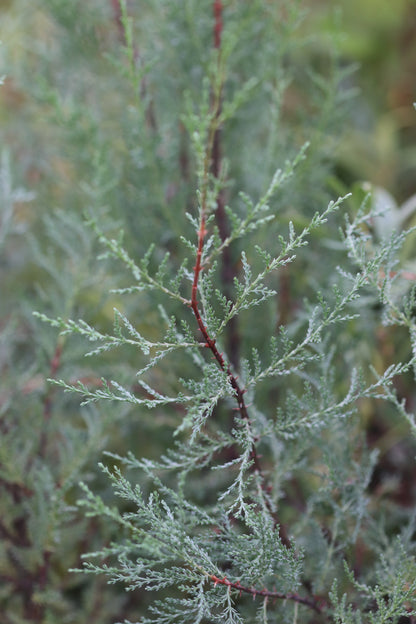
pixel 212 163
pixel 210 343
pixel 218 25
pixel 266 593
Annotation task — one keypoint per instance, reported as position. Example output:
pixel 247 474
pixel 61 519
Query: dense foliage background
pixel 83 114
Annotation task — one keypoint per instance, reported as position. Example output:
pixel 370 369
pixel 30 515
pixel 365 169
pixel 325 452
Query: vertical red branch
pixel 210 342
pixel 212 163
pixel 218 25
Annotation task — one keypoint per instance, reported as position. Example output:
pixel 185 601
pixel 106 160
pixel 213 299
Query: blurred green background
pixel 378 36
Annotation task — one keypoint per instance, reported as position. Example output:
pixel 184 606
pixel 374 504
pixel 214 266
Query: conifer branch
pixel 271 433
pixel 202 232
pixel 212 155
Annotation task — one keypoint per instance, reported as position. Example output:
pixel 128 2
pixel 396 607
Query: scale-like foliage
pixel 228 324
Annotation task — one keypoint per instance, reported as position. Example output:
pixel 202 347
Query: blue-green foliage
pixel 239 482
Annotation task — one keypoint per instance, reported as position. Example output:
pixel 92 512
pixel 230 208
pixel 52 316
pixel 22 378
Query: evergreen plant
pixel 247 362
